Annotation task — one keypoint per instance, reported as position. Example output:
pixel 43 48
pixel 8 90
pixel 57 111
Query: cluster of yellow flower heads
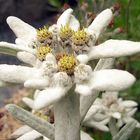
pixel 66 62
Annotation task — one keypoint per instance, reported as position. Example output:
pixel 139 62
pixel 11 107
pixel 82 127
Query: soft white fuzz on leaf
pixel 12 49
pixel 112 80
pixel 17 74
pixel 38 83
pixel 64 18
pixel 129 103
pixel 97 125
pixel 85 136
pixel 114 48
pixel 21 131
pixel 48 97
pixel 28 101
pixel 100 22
pixel 74 23
pixel 27 57
pixel 21 29
pixel 106 80
pixel 32 135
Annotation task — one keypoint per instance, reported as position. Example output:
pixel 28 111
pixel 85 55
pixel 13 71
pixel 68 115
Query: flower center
pixel 43 34
pixel 42 51
pixel 65 32
pixel 67 63
pixel 80 37
pixel 42 115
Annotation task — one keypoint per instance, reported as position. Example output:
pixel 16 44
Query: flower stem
pixel 67 118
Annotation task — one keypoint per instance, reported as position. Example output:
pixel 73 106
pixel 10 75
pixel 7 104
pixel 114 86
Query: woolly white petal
pixel 45 138
pixel 99 117
pixel 20 131
pixel 82 58
pixel 116 115
pixel 129 103
pixel 36 93
pixel 22 29
pixel 108 80
pixel 32 135
pixel 17 74
pixel 12 49
pixel 83 89
pixel 132 112
pixel 111 80
pixel 85 136
pixel 97 125
pixel 28 101
pixel 19 41
pixel 37 83
pixel 27 58
pixel 105 121
pixel 93 109
pixel 74 23
pixel 114 48
pixel 100 22
pixel 64 18
pixel 138 125
pixel 48 97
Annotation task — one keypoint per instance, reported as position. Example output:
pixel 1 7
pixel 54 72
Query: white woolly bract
pixel 13 48
pixel 106 80
pixel 85 136
pixel 21 131
pixel 114 48
pixel 27 57
pixel 38 83
pixel 21 29
pixel 129 103
pixel 74 23
pixel 64 18
pixel 100 22
pixel 28 101
pixel 111 80
pixel 17 74
pixel 48 97
pixel 31 135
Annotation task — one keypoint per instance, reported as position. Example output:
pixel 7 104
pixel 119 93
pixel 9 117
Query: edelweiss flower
pixel 58 56
pixel 110 106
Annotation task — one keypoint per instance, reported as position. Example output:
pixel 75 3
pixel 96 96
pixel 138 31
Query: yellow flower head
pixel 41 114
pixel 42 51
pixel 67 63
pixel 80 37
pixel 43 34
pixel 65 32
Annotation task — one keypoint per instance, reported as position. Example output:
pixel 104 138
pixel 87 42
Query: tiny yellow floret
pixel 43 34
pixel 65 32
pixel 42 51
pixel 80 37
pixel 41 115
pixel 67 63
